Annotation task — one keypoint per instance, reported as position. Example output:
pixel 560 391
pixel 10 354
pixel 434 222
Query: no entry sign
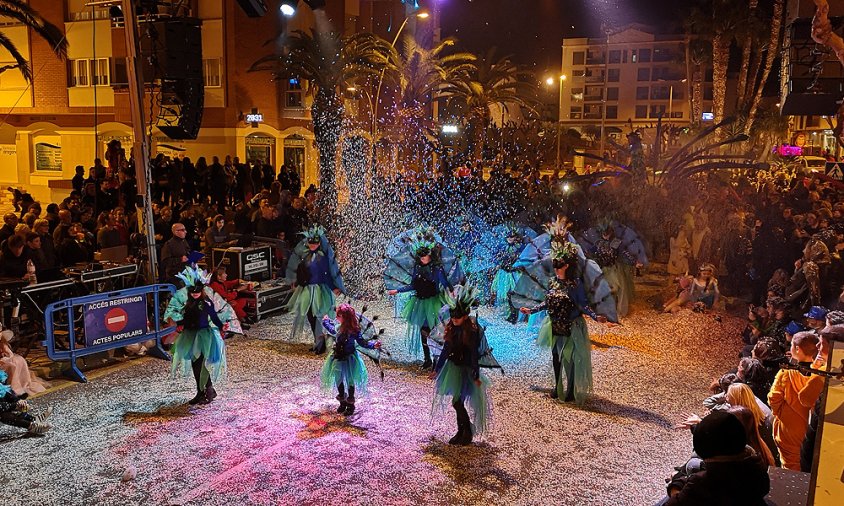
pixel 115 319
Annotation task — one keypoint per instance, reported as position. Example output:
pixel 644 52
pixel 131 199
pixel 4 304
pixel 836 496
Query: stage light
pixel 288 7
pixel 422 15
pixel 566 187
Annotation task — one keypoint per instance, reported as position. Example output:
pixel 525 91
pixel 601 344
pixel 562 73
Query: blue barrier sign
pixel 116 319
pixel 109 320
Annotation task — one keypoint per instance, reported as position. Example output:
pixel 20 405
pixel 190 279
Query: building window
pixel 613 75
pixel 641 111
pixel 575 112
pixel 293 95
pixel 612 93
pixel 11 79
pixel 89 72
pixel 211 72
pixel 642 93
pixel 612 112
pixel 644 74
pixel 634 58
pixel 79 73
pixel 707 92
pixel 677 114
pixel 577 94
pixel 657 111
pixel 645 55
pixel 99 72
pixel 48 156
pixel 578 58
pixel 615 56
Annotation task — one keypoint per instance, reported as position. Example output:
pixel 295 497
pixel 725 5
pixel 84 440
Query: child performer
pixel 344 367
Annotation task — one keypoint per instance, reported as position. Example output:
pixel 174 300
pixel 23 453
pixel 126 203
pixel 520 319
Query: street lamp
pixel 550 82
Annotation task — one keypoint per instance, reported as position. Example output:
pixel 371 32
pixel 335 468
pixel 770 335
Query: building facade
pixel 632 75
pixel 74 108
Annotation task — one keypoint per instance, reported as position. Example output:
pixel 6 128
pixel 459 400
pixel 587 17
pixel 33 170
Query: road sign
pixel 835 170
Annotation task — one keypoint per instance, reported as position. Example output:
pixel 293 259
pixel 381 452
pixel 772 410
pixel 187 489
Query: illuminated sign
pixel 707 116
pixel 450 129
pixel 255 118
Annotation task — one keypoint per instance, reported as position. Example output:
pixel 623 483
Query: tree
pixel 417 76
pixel 328 62
pixel 20 11
pixel 495 82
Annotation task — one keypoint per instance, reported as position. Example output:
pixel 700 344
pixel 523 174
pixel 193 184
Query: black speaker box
pixel 253 8
pixel 187 97
pixel 172 49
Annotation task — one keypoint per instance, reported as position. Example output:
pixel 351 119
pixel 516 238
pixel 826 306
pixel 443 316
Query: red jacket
pixel 226 289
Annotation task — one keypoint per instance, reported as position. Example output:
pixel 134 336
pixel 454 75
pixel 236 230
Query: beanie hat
pixel 719 434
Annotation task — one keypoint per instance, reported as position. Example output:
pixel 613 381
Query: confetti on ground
pixel 272 437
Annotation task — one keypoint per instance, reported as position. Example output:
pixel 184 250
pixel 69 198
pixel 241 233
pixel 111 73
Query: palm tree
pixel 328 62
pixel 773 48
pixel 20 11
pixel 419 75
pixel 495 83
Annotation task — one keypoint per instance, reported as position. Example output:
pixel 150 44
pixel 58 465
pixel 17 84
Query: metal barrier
pixel 117 313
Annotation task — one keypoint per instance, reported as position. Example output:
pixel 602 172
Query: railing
pixel 109 320
pixel 89 14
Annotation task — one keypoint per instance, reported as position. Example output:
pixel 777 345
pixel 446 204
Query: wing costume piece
pixel 485 357
pixel 401 258
pixel 532 285
pixel 175 308
pixel 630 246
pixel 370 332
pixel 300 252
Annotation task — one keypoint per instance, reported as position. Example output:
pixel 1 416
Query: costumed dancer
pixel 14 411
pixel 199 346
pixel 314 273
pixel 509 265
pixel 458 373
pixel 344 368
pixel 425 267
pixel 563 330
pixel 617 249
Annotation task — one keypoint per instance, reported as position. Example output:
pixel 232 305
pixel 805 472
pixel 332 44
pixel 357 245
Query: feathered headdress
pixel 313 234
pixel 561 248
pixel 423 242
pixel 194 276
pixel 465 298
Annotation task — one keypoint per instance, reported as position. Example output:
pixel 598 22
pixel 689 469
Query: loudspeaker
pixel 172 49
pixel 253 8
pixel 815 83
pixel 184 100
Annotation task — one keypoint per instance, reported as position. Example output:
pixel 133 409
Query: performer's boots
pixel 350 405
pixel 210 393
pixel 464 426
pixel 426 351
pixel 199 398
pixel 341 396
pixel 555 361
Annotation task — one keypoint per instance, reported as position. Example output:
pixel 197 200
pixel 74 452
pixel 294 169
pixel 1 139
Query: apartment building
pixel 74 108
pixel 632 74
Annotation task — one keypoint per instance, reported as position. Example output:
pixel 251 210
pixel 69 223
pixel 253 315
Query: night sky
pixel 532 30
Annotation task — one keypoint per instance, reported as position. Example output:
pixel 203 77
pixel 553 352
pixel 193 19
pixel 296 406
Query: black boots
pixel 347 403
pixel 427 364
pixel 199 398
pixel 464 426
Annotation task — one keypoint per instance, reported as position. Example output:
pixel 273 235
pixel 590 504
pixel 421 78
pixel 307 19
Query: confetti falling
pixel 273 438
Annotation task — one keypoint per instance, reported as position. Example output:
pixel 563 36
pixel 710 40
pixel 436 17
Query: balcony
pixel 596 60
pixel 595 79
pixel 593 98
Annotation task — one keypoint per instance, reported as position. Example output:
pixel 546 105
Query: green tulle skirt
pixel 573 349
pixel 191 344
pixel 456 382
pixel 620 278
pixel 316 299
pixel 350 371
pixel 502 283
pixel 420 313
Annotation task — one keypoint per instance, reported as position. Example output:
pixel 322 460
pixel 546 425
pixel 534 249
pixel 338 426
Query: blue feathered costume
pixel 315 274
pixel 418 262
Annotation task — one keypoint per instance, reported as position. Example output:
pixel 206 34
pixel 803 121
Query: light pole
pixel 550 81
pixel 377 98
